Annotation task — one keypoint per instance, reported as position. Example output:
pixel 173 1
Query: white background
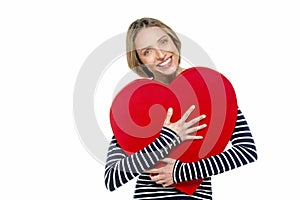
pixel 43 45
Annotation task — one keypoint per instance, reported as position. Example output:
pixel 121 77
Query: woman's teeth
pixel 165 62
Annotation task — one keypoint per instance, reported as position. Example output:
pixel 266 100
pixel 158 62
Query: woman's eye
pixel 147 52
pixel 164 41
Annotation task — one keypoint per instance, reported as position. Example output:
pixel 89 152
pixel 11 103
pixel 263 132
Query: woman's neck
pixel 168 79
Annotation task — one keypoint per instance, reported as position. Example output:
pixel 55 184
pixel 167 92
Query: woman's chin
pixel 167 71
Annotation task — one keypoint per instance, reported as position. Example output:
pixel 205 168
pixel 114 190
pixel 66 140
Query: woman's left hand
pixel 163 175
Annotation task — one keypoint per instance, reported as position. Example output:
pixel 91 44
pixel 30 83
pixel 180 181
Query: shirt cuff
pixel 177 171
pixel 170 136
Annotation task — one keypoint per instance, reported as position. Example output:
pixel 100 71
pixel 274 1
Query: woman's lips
pixel 166 63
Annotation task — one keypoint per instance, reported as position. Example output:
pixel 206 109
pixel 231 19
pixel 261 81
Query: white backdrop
pixel 44 44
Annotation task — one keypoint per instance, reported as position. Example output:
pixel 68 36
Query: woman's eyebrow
pixel 162 37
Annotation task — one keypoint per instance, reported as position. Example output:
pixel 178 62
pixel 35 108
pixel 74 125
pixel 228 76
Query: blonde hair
pixel 133 60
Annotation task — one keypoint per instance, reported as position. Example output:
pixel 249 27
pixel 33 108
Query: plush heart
pixel 139 110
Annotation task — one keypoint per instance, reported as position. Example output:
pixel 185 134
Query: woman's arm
pixel 242 152
pixel 120 168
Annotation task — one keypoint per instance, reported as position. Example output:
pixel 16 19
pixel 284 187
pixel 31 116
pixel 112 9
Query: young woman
pixel 153 51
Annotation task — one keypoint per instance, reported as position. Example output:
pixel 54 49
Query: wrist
pixel 177 171
pixel 171 135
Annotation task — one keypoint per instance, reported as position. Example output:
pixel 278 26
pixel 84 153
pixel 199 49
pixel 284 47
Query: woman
pixel 153 51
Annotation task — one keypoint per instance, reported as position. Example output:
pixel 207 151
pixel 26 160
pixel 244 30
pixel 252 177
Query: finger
pixel 153 171
pixel 157 178
pixel 187 113
pixel 195 129
pixel 162 182
pixel 193 137
pixel 195 120
pixel 168 160
pixel 168 184
pixel 168 117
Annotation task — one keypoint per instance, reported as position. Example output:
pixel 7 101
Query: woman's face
pixel 157 51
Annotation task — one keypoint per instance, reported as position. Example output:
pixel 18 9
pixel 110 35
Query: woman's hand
pixel 163 175
pixel 183 128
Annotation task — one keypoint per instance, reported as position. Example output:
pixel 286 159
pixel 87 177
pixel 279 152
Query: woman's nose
pixel 160 53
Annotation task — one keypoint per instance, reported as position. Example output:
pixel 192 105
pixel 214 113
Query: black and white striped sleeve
pixel 242 152
pixel 120 168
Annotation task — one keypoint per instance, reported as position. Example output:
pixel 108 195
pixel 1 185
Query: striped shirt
pixel 121 168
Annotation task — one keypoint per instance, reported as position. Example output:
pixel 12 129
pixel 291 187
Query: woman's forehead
pixel 148 37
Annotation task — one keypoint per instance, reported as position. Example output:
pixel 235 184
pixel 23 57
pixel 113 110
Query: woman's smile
pixel 166 63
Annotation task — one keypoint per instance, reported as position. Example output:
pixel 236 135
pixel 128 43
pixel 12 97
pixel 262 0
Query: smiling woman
pixel 153 51
pixel 158 53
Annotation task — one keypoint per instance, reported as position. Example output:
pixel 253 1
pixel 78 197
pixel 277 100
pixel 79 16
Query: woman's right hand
pixel 183 128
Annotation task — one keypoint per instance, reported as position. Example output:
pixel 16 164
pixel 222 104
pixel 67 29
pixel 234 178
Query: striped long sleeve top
pixel 121 168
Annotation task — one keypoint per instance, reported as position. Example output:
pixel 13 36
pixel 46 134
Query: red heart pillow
pixel 139 110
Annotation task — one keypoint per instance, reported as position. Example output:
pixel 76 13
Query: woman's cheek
pixel 149 62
